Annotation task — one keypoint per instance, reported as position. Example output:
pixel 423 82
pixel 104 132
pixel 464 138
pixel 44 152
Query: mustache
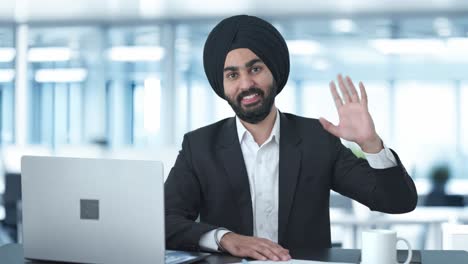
pixel 250 91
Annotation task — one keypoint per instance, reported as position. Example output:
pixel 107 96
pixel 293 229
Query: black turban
pixel 245 32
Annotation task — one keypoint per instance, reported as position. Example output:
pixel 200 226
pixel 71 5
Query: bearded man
pixel 260 182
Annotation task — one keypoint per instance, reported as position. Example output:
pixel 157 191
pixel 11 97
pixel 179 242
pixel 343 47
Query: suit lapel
pixel 289 169
pixel 233 161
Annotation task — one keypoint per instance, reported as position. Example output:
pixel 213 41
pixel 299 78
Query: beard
pixel 259 111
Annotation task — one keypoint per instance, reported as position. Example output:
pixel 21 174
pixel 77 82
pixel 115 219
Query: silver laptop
pixel 94 210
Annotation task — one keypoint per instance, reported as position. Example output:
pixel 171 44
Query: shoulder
pixel 308 128
pixel 302 123
pixel 211 132
pixel 299 119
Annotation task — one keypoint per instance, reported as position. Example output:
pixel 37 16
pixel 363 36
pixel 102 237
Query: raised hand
pixel 355 121
pixel 253 247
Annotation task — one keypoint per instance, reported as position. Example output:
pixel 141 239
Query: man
pixel 260 182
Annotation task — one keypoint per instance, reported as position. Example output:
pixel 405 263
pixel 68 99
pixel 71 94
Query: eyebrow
pixel 247 65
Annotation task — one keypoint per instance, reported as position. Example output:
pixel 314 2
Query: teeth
pixel 250 96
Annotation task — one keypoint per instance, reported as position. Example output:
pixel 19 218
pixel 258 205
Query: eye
pixel 256 69
pixel 232 75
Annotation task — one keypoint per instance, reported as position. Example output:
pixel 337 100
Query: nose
pixel 246 82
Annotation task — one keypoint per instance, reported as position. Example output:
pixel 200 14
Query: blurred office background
pixel 121 78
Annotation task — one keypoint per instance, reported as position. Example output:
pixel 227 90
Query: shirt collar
pixel 275 132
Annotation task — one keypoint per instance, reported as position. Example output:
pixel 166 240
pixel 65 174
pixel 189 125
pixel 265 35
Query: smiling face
pixel 249 86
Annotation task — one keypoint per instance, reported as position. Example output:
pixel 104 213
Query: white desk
pixel 430 217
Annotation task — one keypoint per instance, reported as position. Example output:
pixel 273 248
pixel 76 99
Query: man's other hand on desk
pixel 253 247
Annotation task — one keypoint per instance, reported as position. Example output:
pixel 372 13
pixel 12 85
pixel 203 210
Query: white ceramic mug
pixel 379 246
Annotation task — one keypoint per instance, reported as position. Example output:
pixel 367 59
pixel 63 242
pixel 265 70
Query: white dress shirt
pixel 262 163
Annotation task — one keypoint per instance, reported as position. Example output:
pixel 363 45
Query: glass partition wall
pixel 134 85
pixel 61 63
pixel 143 84
pixel 412 69
pixel 7 80
pixel 95 85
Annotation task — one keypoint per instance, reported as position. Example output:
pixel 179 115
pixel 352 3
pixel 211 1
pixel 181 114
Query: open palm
pixel 355 121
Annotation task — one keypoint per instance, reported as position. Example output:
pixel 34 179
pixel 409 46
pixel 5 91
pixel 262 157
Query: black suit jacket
pixel 209 179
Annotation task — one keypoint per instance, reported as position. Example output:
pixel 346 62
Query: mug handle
pixel 410 252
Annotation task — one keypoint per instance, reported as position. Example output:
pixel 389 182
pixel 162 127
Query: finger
pixel 279 250
pixel 352 89
pixel 255 255
pixel 363 94
pixel 336 96
pixel 286 257
pixel 276 246
pixel 328 126
pixel 266 251
pixel 282 253
pixel 343 89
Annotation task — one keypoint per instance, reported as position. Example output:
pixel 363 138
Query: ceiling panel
pixel 52 10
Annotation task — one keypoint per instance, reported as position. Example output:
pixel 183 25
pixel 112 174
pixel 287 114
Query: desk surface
pixel 13 254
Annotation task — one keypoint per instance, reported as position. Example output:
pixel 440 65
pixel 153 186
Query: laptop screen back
pixel 93 210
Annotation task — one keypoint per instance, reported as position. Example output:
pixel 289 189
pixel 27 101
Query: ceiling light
pixel 7 54
pixel 49 54
pixel 303 47
pixel 408 46
pixel 60 75
pixel 136 53
pixel 321 65
pixel 457 45
pixel 7 75
pixel 343 25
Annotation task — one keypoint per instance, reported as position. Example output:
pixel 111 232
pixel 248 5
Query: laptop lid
pixel 93 210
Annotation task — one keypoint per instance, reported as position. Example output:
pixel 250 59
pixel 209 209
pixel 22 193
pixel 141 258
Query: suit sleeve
pixel 389 190
pixel 182 204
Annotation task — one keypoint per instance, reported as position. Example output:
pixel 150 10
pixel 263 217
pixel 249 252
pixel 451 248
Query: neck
pixel 262 130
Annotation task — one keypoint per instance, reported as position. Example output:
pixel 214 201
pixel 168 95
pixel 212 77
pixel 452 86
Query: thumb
pixel 328 126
